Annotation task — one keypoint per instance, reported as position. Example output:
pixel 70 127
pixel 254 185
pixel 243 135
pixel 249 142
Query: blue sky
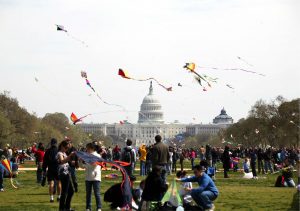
pixel 148 38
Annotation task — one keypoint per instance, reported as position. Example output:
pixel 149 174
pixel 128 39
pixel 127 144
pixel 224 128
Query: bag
pixel 127 156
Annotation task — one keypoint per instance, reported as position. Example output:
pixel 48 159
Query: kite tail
pixel 12 183
pixel 75 38
pixel 110 103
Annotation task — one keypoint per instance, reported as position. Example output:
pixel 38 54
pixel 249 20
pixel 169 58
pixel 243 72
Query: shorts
pixel 52 175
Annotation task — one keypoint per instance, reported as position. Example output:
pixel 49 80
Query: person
pixel 155 186
pixel 143 156
pixel 246 165
pixel 226 161
pixel 181 159
pixel 92 180
pixel 50 168
pixel 170 161
pixel 137 193
pixel 268 160
pixel 148 167
pixel 208 155
pixel 253 158
pixel 175 157
pixel 116 153
pixel 202 153
pixel 39 154
pixel 260 164
pixel 184 194
pixel 192 157
pixel 128 156
pixel 160 156
pixel 64 175
pixel 207 191
pixel 73 163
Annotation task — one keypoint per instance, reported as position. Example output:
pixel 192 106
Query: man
pixel 160 156
pixel 50 163
pixel 128 155
pixel 207 191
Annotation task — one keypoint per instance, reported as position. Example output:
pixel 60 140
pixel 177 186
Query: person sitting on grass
pixel 155 187
pixel 207 191
pixel 246 165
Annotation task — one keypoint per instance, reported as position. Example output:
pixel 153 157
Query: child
pixel 137 193
pixel 246 165
pixel 184 194
pixel 92 180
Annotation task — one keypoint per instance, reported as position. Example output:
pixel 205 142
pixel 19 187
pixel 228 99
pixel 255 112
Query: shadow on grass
pixel 295 202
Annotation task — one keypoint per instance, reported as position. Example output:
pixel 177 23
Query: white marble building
pixel 151 122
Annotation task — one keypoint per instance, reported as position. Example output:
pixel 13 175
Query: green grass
pixel 235 194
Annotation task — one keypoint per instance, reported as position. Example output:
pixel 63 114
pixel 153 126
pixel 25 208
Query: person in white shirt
pixel 92 180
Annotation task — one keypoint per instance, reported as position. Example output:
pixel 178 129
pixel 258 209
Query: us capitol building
pixel 151 122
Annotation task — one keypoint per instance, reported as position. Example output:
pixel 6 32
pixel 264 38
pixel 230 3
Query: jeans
pixel 142 168
pixel 260 166
pixel 164 172
pixel 66 192
pixel 253 168
pixel 289 183
pixel 192 162
pixel 204 199
pixel 96 186
pixel 74 178
pixel 1 177
pixel 39 172
pixel 169 167
pixel 268 166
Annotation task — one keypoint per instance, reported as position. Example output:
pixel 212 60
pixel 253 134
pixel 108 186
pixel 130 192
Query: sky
pixel 148 39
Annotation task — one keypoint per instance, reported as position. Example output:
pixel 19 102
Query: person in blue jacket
pixel 207 192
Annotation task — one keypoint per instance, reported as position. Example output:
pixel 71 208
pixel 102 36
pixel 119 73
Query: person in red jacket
pixel 39 152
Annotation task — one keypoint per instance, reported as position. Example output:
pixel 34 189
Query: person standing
pixel 202 153
pixel 143 156
pixel 208 155
pixel 267 159
pixel 260 164
pixel 73 163
pixel 50 168
pixel 39 152
pixel 160 156
pixel 175 157
pixel 128 156
pixel 253 157
pixel 226 161
pixel 207 191
pixel 192 157
pixel 92 180
pixel 181 158
pixel 64 175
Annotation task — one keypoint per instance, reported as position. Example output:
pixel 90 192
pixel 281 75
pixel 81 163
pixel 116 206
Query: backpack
pixel 127 156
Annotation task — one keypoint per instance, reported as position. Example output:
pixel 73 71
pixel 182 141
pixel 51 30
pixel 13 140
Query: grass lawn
pixel 235 194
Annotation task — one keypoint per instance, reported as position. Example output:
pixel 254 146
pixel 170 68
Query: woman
pixel 92 180
pixel 64 176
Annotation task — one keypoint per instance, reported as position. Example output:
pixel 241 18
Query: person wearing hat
pixel 50 166
pixel 207 191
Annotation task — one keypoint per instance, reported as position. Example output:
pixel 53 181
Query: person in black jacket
pixel 260 164
pixel 253 157
pixel 155 187
pixel 226 161
pixel 50 168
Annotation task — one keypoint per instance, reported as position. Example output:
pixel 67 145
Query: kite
pixel 256 131
pixel 125 185
pixel 62 28
pixel 124 74
pixel 243 60
pixel 179 84
pixel 75 120
pixel 229 86
pixel 292 122
pixel 88 83
pixel 7 165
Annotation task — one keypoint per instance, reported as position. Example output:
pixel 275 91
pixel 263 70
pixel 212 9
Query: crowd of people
pixel 57 164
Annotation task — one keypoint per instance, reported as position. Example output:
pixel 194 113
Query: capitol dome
pixel 223 118
pixel 151 109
